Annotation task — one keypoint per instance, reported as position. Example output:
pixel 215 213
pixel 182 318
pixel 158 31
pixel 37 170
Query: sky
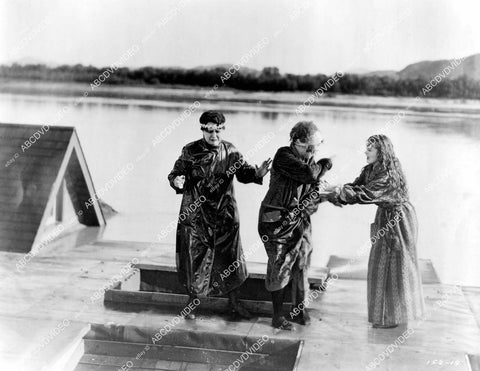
pixel 308 36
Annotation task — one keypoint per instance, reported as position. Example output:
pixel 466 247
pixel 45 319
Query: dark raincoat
pixel 284 218
pixel 209 252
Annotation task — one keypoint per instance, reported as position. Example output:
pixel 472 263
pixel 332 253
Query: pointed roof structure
pixel 36 164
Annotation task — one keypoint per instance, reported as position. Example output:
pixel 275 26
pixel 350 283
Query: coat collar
pixel 209 147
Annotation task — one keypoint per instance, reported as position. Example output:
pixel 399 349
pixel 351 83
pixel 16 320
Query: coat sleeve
pixel 360 180
pixel 362 192
pixel 289 165
pixel 311 200
pixel 180 168
pixel 244 172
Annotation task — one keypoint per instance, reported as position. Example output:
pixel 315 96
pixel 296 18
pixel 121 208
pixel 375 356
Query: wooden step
pixel 170 353
pixel 107 347
pixel 157 285
pixel 181 337
pixel 163 278
pixel 117 362
pixel 115 299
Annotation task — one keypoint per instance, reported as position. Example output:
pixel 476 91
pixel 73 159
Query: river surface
pixel 439 154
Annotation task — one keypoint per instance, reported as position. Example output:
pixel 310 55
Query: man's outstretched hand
pixel 179 181
pixel 264 168
pixel 326 163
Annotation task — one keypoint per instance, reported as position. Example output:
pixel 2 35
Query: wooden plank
pixel 165 300
pixel 130 244
pixel 90 367
pixel 91 359
pixel 147 364
pixel 317 275
pixel 182 337
pixel 163 278
pixel 163 352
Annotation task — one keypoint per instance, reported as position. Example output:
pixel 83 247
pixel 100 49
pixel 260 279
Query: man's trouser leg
pixel 300 288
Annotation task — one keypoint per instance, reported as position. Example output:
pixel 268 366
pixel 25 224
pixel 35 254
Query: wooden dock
pixel 48 308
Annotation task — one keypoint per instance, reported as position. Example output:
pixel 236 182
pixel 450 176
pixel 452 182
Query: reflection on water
pixel 451 126
pixel 272 116
pixel 439 154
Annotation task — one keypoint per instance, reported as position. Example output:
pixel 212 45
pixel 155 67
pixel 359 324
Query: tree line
pixel 269 79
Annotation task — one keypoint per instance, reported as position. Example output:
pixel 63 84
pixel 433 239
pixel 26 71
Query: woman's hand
pixel 332 197
pixel 330 187
pixel 179 181
pixel 264 168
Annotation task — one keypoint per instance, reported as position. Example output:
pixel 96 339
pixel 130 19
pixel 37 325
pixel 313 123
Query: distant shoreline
pixel 289 101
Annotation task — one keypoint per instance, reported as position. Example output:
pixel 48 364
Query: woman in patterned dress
pixel 394 288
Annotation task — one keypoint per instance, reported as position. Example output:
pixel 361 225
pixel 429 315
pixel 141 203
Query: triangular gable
pixel 34 162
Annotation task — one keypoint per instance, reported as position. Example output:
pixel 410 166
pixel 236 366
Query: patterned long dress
pixel 208 238
pixel 284 218
pixel 394 288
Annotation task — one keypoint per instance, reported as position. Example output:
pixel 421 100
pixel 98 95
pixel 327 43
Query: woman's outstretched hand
pixel 264 168
pixel 327 187
pixel 332 197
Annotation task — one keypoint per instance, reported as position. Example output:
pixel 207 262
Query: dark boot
pixel 279 321
pixel 299 284
pixel 237 309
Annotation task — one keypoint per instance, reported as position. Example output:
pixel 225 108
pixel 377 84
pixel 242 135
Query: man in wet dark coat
pixel 209 254
pixel 294 194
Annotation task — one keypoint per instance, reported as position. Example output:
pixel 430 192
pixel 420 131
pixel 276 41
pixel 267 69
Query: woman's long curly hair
pixel 389 162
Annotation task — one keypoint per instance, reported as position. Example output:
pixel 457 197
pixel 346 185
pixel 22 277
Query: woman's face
pixel 212 137
pixel 372 154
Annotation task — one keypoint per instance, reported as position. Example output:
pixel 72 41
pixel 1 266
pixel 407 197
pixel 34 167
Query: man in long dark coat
pixel 284 219
pixel 208 238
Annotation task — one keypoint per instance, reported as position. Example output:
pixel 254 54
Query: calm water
pixel 439 154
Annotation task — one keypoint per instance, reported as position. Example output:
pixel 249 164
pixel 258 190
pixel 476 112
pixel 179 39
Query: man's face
pixel 212 136
pixel 308 148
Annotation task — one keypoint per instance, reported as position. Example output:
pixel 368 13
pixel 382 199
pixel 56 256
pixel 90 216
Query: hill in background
pixel 426 70
pixel 470 67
